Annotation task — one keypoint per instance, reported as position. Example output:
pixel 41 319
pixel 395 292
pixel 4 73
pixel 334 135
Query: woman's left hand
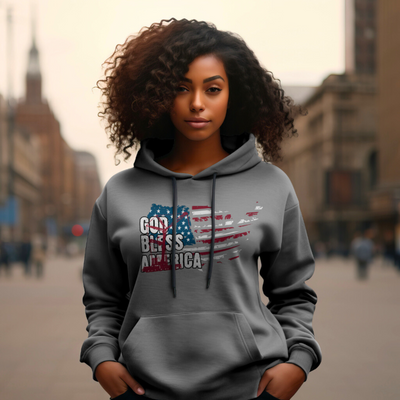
pixel 282 381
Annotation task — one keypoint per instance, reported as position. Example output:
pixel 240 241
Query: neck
pixel 193 156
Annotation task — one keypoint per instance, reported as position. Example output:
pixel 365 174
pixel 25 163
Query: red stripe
pixel 216 229
pixel 221 240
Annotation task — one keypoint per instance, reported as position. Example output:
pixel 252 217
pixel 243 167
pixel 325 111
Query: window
pixel 343 188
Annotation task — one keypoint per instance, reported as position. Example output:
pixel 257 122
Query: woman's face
pixel 202 94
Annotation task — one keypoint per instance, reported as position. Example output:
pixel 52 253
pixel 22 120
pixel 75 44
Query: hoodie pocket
pixel 193 352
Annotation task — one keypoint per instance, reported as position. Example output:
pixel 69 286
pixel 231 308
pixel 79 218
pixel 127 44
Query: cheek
pixel 173 112
pixel 176 109
pixel 222 107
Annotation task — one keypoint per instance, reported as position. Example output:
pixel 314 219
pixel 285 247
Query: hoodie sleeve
pixel 105 283
pixel 290 300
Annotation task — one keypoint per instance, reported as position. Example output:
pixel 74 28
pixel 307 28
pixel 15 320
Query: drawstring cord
pixel 212 232
pixel 174 212
pixel 174 205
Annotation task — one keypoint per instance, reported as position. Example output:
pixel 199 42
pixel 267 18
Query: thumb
pixel 133 384
pixel 266 378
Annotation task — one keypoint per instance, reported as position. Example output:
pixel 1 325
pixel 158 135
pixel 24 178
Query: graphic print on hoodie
pixel 199 330
pixel 192 239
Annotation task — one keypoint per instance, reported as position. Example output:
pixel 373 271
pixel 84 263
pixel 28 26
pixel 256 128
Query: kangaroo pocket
pixel 193 354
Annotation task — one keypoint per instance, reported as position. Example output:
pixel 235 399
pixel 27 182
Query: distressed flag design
pixel 183 225
pixel 228 230
pixel 193 230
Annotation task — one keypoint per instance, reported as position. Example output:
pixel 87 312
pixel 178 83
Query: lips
pixel 197 122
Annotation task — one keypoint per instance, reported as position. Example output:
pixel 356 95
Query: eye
pixel 217 90
pixel 181 87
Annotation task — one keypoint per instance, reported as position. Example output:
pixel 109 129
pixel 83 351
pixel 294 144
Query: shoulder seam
pixel 292 207
pixel 101 212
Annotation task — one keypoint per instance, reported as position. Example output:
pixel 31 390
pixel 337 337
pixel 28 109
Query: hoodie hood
pixel 243 155
pixel 242 148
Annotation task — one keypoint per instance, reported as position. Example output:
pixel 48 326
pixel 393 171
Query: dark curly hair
pixel 145 72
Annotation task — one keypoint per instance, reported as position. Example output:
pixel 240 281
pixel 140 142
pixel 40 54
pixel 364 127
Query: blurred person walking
pixel 5 258
pixel 38 255
pixel 389 248
pixel 25 254
pixel 362 248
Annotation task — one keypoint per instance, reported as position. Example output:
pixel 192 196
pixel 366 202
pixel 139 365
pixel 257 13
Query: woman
pixel 196 99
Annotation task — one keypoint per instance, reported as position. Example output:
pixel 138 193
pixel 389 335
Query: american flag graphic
pixel 182 221
pixel 195 227
pixel 227 231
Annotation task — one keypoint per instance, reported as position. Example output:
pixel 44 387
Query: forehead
pixel 205 66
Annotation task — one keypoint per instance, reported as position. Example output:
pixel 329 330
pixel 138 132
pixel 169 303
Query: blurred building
pixel 20 180
pixel 35 115
pixel 4 151
pixel 88 186
pixel 345 162
pixel 333 163
pixel 38 167
pixel 360 36
pixel 385 199
pixel 88 189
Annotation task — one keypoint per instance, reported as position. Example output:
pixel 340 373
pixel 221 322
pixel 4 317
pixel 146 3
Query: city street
pixel 357 324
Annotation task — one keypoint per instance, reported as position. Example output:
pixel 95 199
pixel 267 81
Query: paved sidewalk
pixel 357 323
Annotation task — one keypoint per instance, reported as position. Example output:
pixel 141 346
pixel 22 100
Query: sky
pixel 301 42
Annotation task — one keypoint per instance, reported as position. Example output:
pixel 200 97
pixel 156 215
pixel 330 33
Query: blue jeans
pixel 131 395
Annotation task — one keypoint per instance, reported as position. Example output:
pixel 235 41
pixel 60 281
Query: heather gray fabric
pixel 199 330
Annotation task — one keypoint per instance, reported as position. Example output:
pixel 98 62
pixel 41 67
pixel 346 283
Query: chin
pixel 197 134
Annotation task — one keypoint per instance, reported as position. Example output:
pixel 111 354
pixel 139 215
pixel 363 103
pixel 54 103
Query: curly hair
pixel 143 76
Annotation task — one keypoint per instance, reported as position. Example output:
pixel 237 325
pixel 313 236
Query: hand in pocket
pixel 282 381
pixel 115 379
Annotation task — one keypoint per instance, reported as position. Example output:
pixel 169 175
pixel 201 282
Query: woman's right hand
pixel 115 379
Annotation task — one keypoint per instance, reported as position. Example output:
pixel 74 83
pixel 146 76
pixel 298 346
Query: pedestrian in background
pixel 25 254
pixel 5 258
pixel 38 255
pixel 362 248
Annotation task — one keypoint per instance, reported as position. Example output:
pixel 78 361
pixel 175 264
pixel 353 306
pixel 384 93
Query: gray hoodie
pixel 199 330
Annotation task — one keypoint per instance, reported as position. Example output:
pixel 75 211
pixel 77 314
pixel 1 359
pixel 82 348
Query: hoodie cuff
pixel 301 358
pixel 100 353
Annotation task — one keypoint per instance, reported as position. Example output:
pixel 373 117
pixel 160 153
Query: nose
pixel 197 101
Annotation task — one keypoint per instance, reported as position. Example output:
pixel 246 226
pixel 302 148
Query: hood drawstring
pixel 174 205
pixel 210 265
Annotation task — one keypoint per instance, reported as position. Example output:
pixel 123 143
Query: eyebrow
pixel 211 78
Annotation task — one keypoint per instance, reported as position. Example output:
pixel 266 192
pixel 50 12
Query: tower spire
pixel 33 74
pixel 33 64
